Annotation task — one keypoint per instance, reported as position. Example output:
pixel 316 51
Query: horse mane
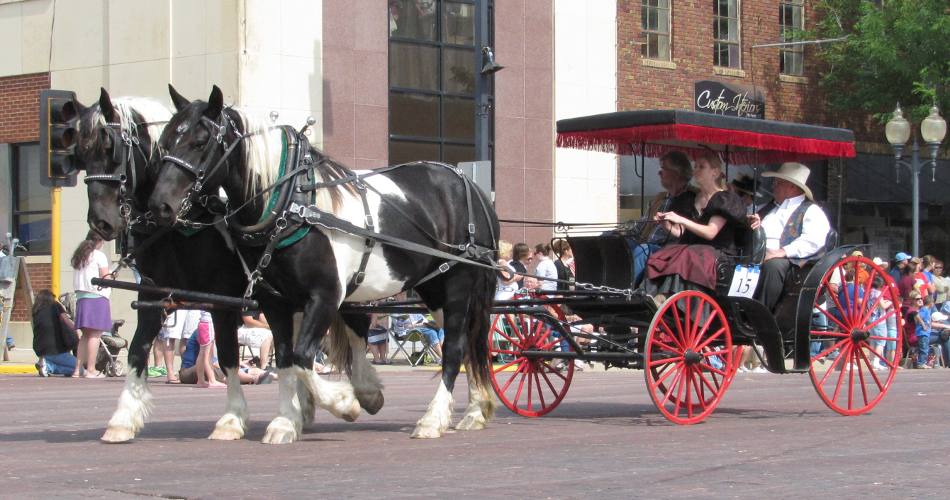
pixel 262 157
pixel 154 114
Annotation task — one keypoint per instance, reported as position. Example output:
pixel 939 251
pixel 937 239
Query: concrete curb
pixel 17 369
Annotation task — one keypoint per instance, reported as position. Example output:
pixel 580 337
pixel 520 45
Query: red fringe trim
pixel 765 148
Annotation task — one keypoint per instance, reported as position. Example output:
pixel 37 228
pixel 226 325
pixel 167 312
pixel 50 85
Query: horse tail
pixel 338 345
pixel 479 362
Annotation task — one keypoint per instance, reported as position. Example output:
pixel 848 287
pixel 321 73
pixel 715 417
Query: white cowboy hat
pixel 796 173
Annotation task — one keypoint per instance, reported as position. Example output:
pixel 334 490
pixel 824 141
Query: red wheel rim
pixel 686 334
pixel 530 387
pixel 859 374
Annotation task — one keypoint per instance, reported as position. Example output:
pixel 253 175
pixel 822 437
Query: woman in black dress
pixel 718 217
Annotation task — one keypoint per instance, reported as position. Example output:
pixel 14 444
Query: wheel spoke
pixel 712 337
pixel 509 339
pixel 843 356
pixel 713 370
pixel 851 366
pixel 665 361
pixel 700 331
pixel 512 377
pixel 669 332
pixel 505 351
pixel 665 346
pixel 831 349
pixel 679 391
pixel 700 391
pixel 877 381
pixel 688 380
pixel 537 383
pixel 548 381
pixel 819 333
pixel 679 325
pixel 506 365
pixel 832 317
pixel 666 373
pixel 834 363
pixel 553 370
pixel 669 391
pixel 864 390
pixel 706 383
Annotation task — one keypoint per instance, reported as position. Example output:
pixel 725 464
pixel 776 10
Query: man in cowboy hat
pixel 796 229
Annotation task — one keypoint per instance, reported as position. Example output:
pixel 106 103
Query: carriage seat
pixel 751 244
pixel 796 275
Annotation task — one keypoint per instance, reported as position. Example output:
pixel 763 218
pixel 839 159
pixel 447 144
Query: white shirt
pixel 505 291
pixel 82 278
pixel 546 269
pixel 815 228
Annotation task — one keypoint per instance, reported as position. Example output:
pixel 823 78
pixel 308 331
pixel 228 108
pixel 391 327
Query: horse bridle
pixel 124 146
pixel 219 130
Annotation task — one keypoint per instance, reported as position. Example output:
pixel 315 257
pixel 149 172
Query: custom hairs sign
pixel 728 100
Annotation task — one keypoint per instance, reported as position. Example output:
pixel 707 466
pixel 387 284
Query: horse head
pixel 197 142
pixel 114 146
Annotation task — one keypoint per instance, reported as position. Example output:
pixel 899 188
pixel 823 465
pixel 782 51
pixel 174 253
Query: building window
pixel 26 200
pixel 432 70
pixel 791 17
pixel 655 23
pixel 726 33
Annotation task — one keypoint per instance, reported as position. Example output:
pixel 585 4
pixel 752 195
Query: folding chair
pixel 414 337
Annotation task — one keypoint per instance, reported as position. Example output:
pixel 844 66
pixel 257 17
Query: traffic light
pixel 58 135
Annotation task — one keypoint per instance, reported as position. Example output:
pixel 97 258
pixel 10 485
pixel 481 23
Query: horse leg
pixel 283 429
pixel 135 401
pixel 466 314
pixel 233 424
pixel 347 344
pixel 337 397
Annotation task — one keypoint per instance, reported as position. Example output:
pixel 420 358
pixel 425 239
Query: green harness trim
pixel 188 232
pixel 301 231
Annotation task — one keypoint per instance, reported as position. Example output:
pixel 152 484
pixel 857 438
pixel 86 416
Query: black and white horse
pixel 422 203
pixel 117 146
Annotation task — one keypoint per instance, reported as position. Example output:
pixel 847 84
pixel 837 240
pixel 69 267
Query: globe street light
pixel 932 131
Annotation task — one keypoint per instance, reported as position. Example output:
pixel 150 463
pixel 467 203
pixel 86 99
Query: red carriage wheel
pixel 530 387
pixel 853 357
pixel 689 357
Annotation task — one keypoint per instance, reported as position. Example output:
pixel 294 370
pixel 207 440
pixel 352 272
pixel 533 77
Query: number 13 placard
pixel 744 281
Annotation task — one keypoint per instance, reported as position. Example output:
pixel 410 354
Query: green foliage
pixel 896 51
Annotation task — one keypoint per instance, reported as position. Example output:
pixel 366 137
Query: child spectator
pixel 378 339
pixel 923 327
pixel 199 365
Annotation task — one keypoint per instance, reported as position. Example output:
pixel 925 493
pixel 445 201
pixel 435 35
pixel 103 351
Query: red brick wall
pixel 19 122
pixel 19 107
pixel 40 278
pixel 643 87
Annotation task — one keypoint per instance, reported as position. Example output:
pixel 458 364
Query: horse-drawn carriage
pixel 300 232
pixel 688 347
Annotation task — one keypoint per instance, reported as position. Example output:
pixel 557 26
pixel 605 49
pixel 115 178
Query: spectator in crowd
pixel 923 328
pixel 883 305
pixel 508 279
pixel 255 333
pixel 545 268
pixel 675 173
pixel 941 286
pixel 908 282
pixel 199 364
pixel 378 339
pixel 925 277
pixel 171 332
pixel 897 268
pixel 54 336
pixel 564 264
pixel 711 229
pixel 796 229
pixel 434 335
pixel 93 311
pixel 520 260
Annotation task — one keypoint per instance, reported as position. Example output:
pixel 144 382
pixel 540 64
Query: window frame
pixel 647 33
pixel 784 27
pixel 441 141
pixel 15 196
pixel 725 41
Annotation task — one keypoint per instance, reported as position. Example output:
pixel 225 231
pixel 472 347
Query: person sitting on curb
pixel 256 334
pixel 199 365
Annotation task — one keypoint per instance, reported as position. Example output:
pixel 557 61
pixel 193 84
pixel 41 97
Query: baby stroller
pixel 108 360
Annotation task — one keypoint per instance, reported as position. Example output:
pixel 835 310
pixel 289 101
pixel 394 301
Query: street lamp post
pixel 932 131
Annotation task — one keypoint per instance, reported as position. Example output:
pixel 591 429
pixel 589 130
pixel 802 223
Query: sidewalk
pixel 21 362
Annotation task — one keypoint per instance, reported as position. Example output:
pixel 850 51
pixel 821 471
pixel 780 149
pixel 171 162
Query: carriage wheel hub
pixel 859 335
pixel 692 357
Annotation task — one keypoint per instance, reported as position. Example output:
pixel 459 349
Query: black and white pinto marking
pixel 312 274
pixel 174 259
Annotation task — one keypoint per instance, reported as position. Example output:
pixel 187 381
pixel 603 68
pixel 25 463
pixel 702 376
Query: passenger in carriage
pixel 796 229
pixel 715 219
pixel 678 197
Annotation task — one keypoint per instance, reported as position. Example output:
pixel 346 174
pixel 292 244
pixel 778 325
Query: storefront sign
pixel 728 100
